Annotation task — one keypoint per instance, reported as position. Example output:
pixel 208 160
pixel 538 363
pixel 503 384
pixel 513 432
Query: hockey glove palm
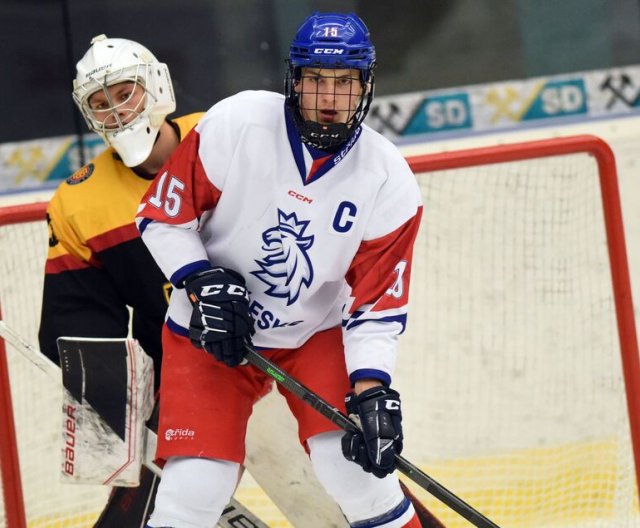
pixel 377 411
pixel 221 322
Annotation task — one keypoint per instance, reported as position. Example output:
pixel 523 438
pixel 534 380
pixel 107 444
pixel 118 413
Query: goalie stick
pixel 328 411
pixel 233 516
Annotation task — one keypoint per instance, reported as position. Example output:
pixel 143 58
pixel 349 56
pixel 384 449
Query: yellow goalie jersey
pixel 97 265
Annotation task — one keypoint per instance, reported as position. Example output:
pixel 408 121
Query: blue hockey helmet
pixel 330 41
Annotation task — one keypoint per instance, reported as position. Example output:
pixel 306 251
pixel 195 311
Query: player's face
pixel 117 104
pixel 329 95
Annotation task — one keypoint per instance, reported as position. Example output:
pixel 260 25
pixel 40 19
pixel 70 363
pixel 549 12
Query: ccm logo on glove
pixel 221 321
pixel 375 446
pixel 217 289
pixel 392 405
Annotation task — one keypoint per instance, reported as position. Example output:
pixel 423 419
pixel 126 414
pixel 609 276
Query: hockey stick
pixel 426 518
pixel 233 516
pixel 334 415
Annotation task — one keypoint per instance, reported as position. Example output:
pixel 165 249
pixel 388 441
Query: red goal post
pixel 14 507
pixel 477 376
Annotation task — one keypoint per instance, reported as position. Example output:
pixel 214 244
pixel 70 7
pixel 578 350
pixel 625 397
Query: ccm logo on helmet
pixel 328 51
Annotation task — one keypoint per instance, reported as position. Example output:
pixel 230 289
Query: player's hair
pixel 330 41
pixel 111 61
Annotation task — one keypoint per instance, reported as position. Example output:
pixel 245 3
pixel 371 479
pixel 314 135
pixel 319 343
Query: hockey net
pixel 520 344
pixel 521 337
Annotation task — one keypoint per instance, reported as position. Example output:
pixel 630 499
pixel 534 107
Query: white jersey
pixel 320 243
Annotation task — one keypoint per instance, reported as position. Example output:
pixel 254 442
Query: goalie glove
pixel 221 322
pixel 377 412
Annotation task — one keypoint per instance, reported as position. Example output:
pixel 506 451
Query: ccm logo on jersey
pixel 328 51
pixel 70 440
pixel 299 196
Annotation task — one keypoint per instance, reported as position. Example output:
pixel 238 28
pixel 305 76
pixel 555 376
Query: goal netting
pixel 519 366
pixel 36 397
pixel 512 370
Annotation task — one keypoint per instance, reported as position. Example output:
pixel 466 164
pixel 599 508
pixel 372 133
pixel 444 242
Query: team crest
pixel 286 269
pixel 81 174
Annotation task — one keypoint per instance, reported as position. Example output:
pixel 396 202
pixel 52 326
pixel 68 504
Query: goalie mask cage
pixel 518 370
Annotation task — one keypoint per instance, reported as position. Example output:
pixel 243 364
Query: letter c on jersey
pixel 343 220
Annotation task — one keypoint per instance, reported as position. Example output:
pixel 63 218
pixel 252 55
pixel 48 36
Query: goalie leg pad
pixel 194 492
pixel 107 397
pixel 362 497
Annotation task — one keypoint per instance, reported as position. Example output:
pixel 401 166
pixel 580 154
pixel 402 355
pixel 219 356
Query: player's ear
pixel 297 80
pixel 367 87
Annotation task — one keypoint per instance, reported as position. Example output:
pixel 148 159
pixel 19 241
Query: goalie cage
pixel 520 344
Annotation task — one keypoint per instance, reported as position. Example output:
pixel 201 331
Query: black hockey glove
pixel 377 411
pixel 220 322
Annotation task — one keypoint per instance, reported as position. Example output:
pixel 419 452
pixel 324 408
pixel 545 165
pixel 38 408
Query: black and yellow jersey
pixel 97 265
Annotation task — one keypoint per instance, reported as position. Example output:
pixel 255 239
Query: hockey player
pixel 97 266
pixel 287 223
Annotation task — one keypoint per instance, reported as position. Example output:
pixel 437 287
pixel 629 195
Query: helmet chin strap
pixel 329 137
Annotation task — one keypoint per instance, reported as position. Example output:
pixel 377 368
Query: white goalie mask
pixel 127 118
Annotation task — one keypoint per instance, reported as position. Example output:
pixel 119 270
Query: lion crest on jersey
pixel 286 267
